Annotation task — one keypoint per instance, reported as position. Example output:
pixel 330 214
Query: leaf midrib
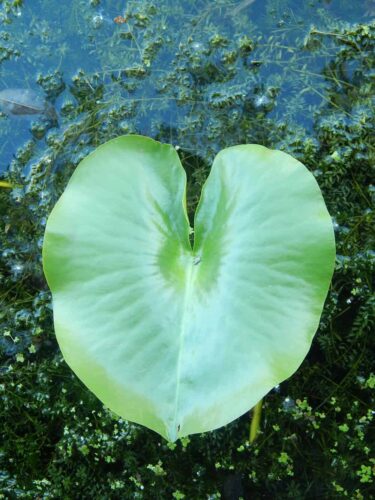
pixel 191 270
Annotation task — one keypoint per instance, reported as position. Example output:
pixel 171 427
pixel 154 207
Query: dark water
pixel 177 71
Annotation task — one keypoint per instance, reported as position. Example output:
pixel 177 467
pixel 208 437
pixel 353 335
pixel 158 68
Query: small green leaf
pixel 32 349
pixel 181 339
pixel 20 358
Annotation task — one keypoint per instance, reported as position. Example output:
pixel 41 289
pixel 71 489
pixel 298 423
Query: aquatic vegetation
pixel 316 427
pixel 213 325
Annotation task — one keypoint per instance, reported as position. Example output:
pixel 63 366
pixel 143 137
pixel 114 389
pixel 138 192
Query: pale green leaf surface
pixel 185 341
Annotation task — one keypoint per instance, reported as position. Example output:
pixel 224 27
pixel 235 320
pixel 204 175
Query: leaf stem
pixel 255 421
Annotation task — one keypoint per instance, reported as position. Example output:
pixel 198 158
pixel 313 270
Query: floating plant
pixel 181 338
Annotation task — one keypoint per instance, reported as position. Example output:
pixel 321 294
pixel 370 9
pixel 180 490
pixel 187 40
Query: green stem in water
pixel 5 184
pixel 255 421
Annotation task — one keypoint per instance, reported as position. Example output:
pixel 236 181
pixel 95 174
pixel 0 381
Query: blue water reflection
pixel 76 46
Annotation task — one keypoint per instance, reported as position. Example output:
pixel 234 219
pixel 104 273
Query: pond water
pixel 294 75
pixel 199 74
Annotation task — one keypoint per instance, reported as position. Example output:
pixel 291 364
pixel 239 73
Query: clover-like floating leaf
pixel 178 339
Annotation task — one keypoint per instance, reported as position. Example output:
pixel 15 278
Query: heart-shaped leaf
pixel 178 339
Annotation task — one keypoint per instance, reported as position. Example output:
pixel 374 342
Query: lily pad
pixel 180 339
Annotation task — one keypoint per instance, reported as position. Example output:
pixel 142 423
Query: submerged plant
pixel 185 338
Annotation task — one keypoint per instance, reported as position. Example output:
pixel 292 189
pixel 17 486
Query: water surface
pixel 199 74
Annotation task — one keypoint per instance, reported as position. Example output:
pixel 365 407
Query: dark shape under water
pixel 23 102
